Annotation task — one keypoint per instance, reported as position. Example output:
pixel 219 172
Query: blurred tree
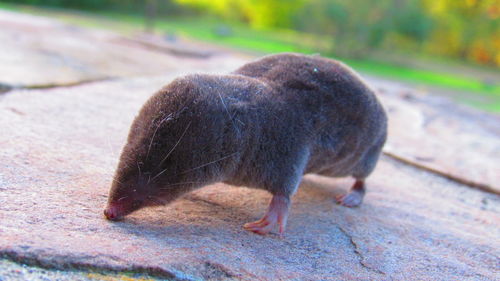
pixel 150 15
pixel 412 21
pixel 162 6
pixel 464 29
pixel 356 27
pixel 257 13
pixel 468 29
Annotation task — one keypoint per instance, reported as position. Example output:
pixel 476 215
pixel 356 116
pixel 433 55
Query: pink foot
pixel 354 197
pixel 276 215
pixel 351 199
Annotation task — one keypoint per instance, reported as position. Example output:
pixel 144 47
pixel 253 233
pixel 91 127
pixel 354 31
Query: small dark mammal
pixel 263 126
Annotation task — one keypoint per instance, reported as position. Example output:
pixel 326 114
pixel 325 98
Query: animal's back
pixel 252 128
pixel 347 121
pixel 280 110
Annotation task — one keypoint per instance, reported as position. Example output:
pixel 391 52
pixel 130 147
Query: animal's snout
pixel 112 213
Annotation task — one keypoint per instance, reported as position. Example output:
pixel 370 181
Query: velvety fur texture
pixel 262 126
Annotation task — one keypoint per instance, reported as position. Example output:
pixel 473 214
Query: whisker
pixel 156 200
pixel 117 181
pixel 157 175
pixel 227 111
pixel 180 183
pixel 154 134
pixel 196 168
pixel 139 167
pixel 177 143
pixel 112 153
pixel 122 198
pixel 209 163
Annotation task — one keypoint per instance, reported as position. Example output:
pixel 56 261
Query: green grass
pixel 427 77
pixel 273 41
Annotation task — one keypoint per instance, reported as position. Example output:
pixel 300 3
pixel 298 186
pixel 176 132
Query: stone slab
pixel 60 147
pixel 59 151
pixel 42 52
pixel 11 271
pixel 434 133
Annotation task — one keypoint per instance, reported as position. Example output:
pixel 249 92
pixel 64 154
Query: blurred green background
pixel 446 46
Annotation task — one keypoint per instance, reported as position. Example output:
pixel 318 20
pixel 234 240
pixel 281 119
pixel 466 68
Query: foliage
pixel 461 29
pixel 257 13
pixel 164 6
pixel 465 29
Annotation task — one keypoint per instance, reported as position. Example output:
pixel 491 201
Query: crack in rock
pixel 358 253
pixel 164 47
pixel 63 262
pixel 460 180
pixel 5 88
pixel 67 84
pixel 216 271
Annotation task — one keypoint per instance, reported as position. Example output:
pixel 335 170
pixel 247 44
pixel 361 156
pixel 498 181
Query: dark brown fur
pixel 263 126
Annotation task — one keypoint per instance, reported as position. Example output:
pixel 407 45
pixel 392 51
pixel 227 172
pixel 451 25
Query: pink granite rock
pixel 60 148
pixel 436 134
pixel 41 52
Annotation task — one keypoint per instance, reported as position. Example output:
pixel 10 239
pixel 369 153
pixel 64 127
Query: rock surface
pixel 438 135
pixel 13 271
pixel 60 147
pixel 39 52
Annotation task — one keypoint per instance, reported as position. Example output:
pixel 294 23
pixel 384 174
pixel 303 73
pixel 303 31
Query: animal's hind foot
pixel 354 197
pixel 351 199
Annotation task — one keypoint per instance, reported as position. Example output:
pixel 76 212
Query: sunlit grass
pixel 426 77
pixel 240 36
pixel 269 42
pixel 273 41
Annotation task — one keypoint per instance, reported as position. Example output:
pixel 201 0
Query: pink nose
pixel 111 213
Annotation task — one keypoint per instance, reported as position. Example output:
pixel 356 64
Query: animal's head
pixel 148 170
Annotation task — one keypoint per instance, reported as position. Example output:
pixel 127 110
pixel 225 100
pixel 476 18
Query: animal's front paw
pixel 276 215
pixel 262 226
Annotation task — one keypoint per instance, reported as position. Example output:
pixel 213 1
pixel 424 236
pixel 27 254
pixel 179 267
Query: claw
pixel 351 199
pixel 276 215
pixel 354 197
